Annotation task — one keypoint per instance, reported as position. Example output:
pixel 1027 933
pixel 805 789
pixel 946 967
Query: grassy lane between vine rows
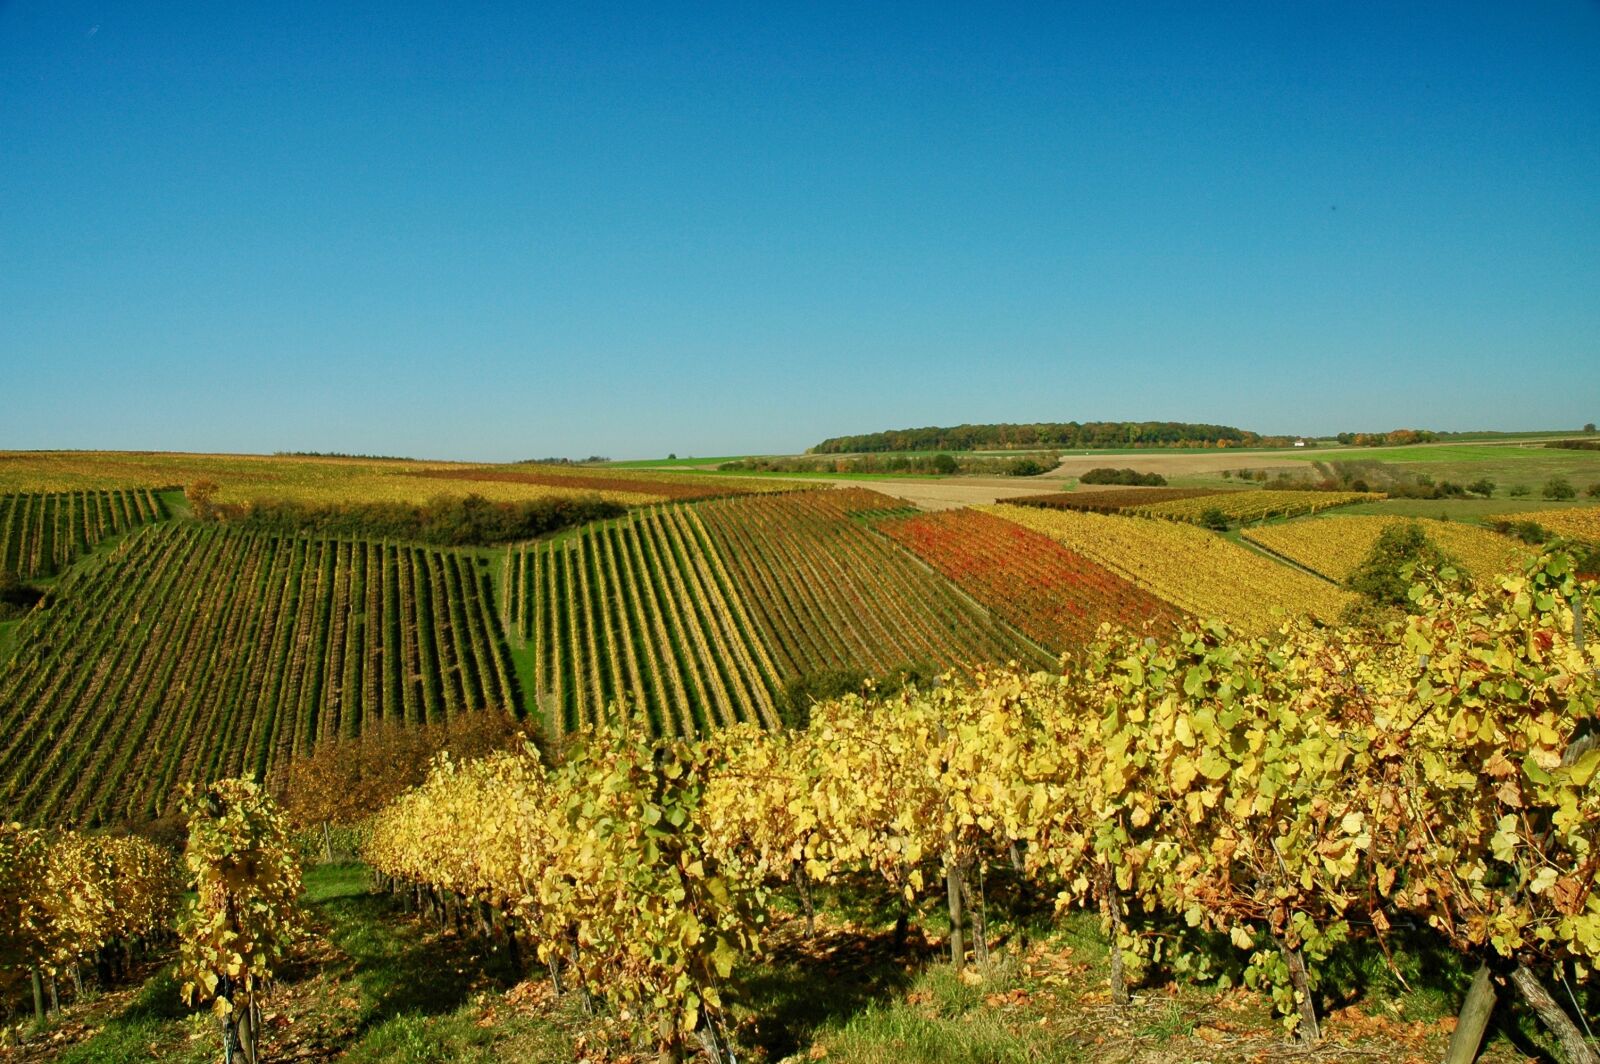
pixel 374 984
pixel 369 985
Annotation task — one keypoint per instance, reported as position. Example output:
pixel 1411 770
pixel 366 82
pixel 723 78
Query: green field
pixel 1461 509
pixel 1444 453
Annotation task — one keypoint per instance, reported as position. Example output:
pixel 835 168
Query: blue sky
pixel 499 231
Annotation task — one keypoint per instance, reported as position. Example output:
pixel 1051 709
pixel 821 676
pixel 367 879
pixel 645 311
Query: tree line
pixel 1045 435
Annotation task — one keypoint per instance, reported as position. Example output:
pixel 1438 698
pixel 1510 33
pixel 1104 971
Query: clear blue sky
pixel 498 231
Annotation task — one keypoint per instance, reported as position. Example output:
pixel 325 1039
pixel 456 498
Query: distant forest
pixel 1069 435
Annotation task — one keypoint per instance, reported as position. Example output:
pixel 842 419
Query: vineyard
pixel 1289 796
pixel 1335 545
pixel 1056 596
pixel 1195 570
pixel 694 617
pixel 41 534
pixel 1114 500
pixel 828 592
pixel 314 480
pixel 1580 524
pixel 1226 799
pixel 69 900
pixel 639 614
pixel 1259 505
pixel 192 653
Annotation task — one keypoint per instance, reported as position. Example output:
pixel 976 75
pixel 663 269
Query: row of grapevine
pixel 602 862
pixel 41 534
pixel 1284 794
pixel 241 916
pixel 828 592
pixel 1196 570
pixel 1055 596
pixel 638 613
pixel 1287 792
pixel 192 653
pixel 69 900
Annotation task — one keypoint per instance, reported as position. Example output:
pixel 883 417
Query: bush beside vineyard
pixel 446 521
pixel 1291 791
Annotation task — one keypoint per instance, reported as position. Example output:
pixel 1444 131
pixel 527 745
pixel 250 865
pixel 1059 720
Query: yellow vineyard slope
pixel 1191 568
pixel 1334 546
pixel 1582 523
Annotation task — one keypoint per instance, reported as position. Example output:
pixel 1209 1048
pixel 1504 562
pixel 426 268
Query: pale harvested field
pixel 950 494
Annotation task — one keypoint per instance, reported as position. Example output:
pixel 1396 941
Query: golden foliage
pixel 1582 523
pixel 1195 570
pixel 1335 545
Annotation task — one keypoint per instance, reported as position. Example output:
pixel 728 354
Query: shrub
pixel 1527 531
pixel 1559 488
pixel 1129 477
pixel 349 779
pixel 1386 576
pixel 1518 490
pixel 806 690
pixel 944 465
pixel 1025 467
pixel 1593 490
pixel 1214 519
pixel 200 495
pixel 16 597
pixel 1482 486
